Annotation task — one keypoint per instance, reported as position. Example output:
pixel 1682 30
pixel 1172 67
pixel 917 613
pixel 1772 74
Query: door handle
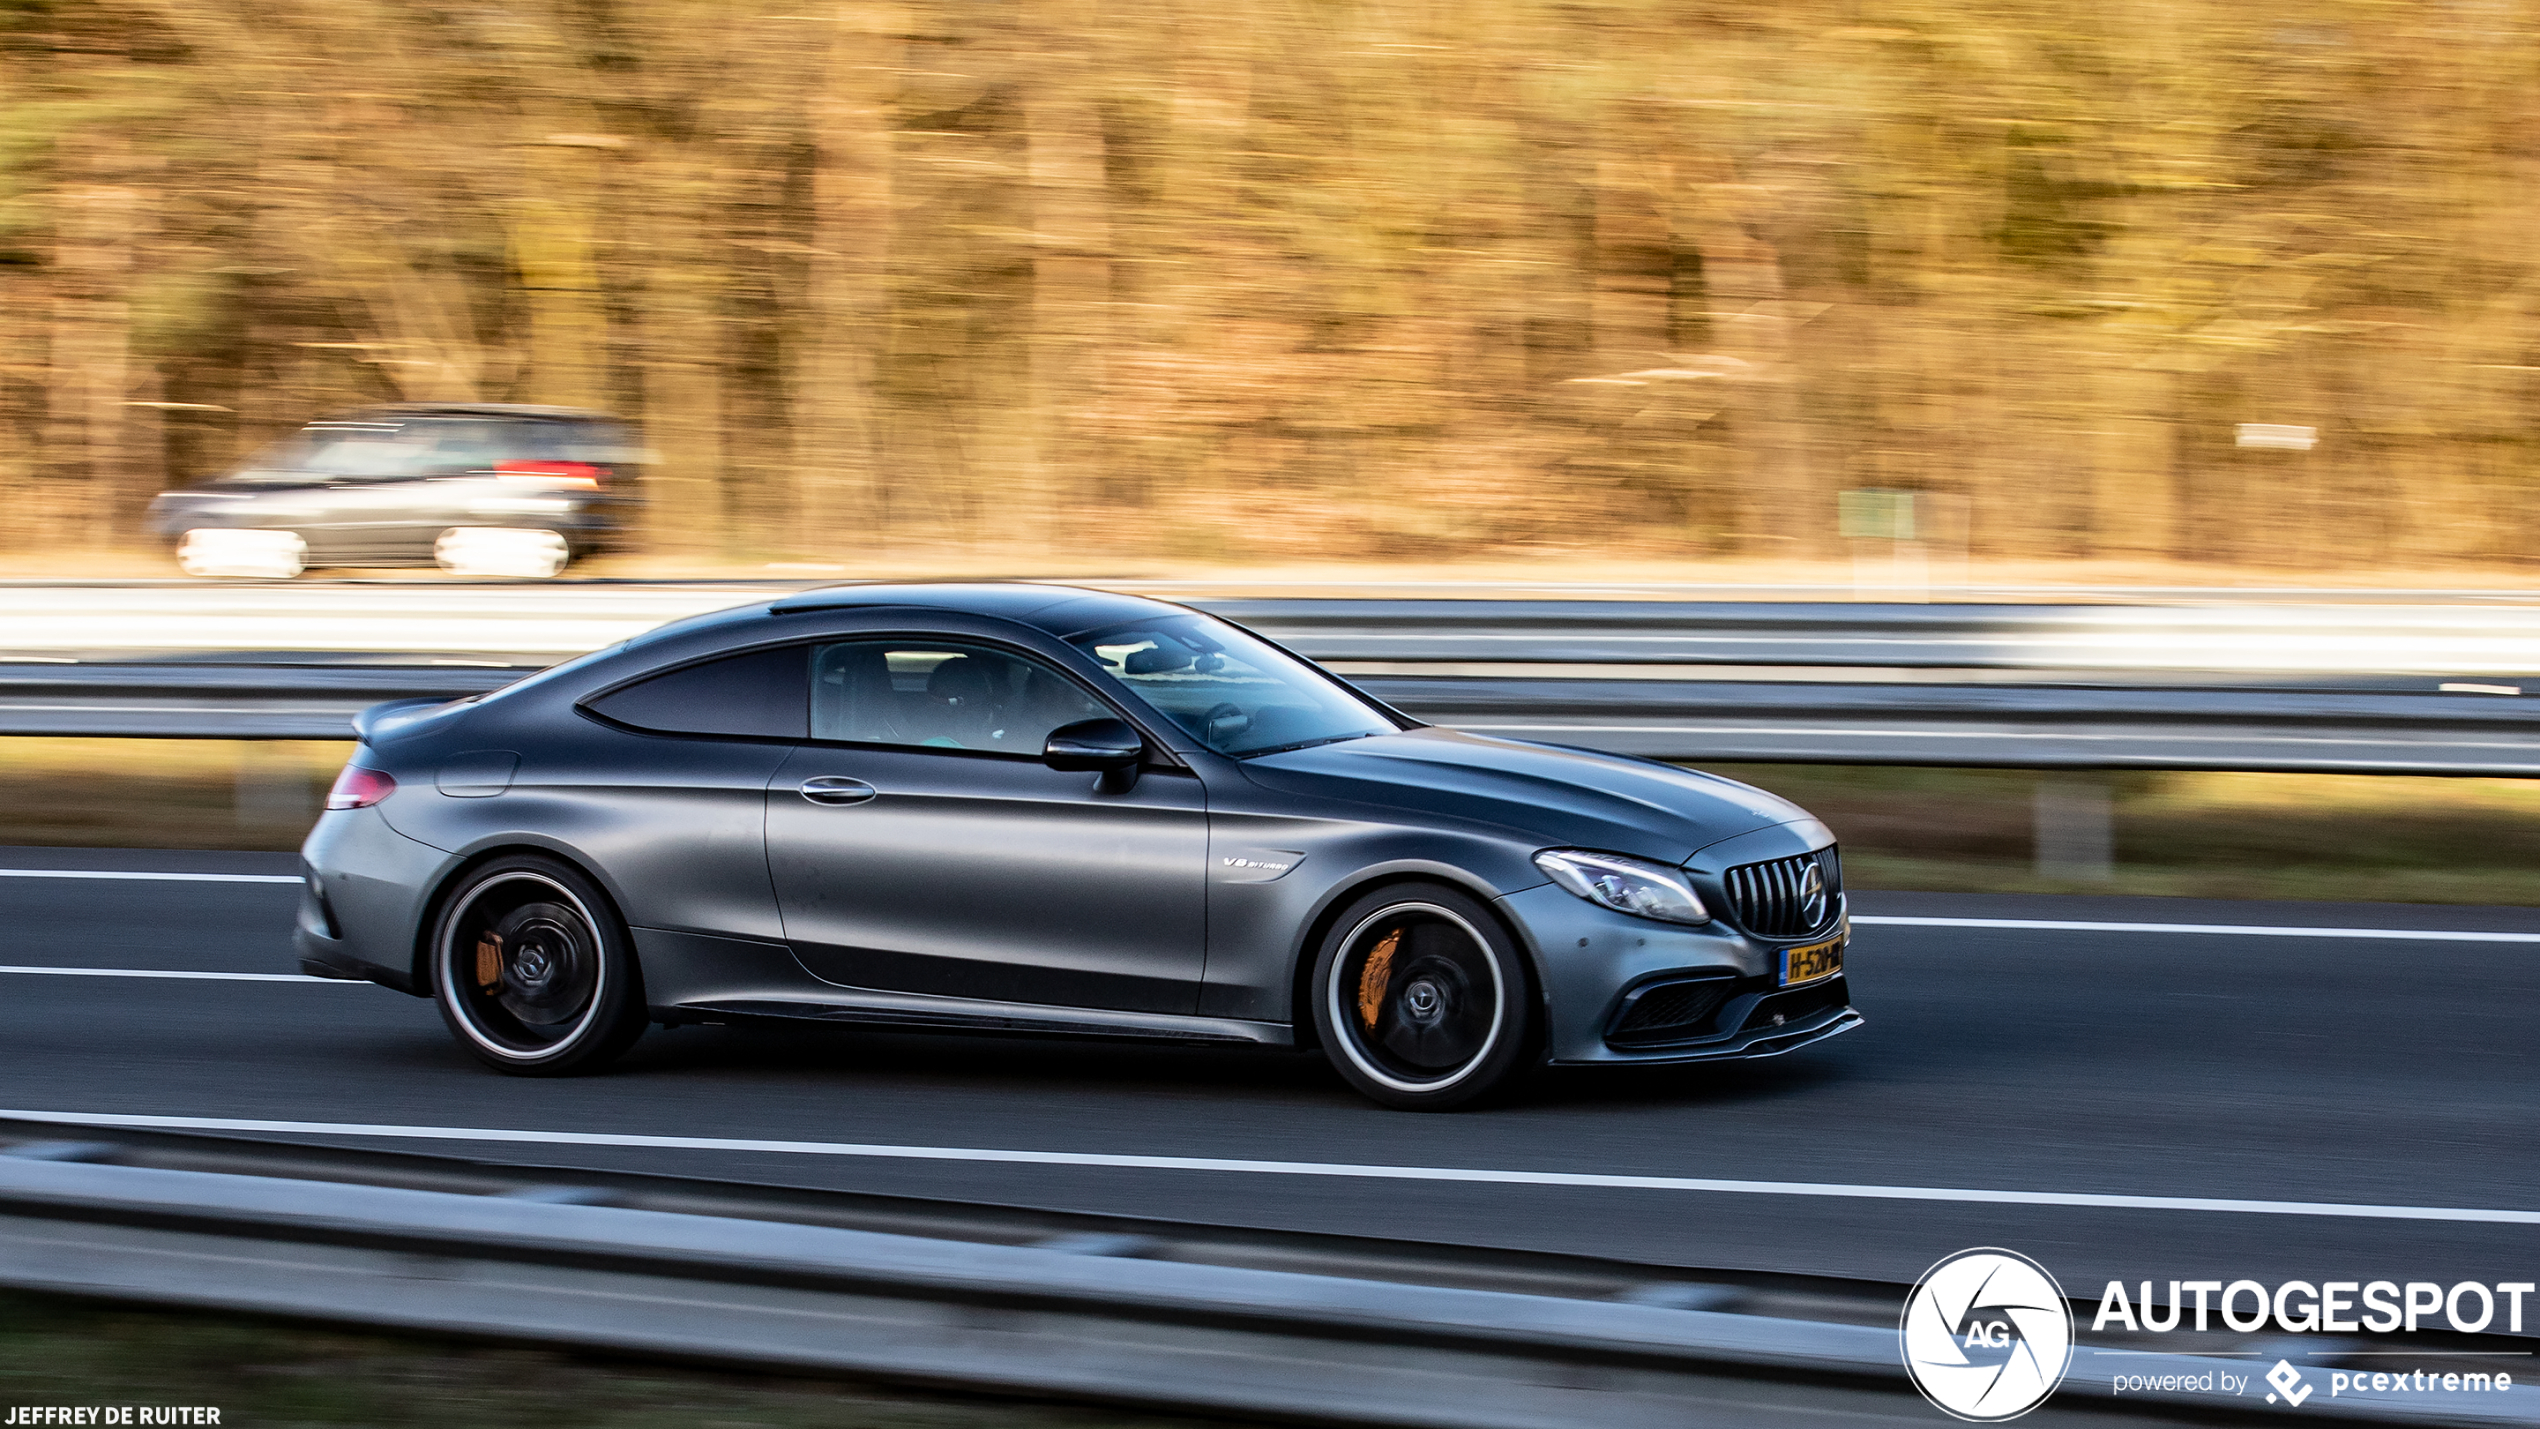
pixel 834 789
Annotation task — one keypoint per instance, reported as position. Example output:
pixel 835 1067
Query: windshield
pixel 1232 692
pixel 388 448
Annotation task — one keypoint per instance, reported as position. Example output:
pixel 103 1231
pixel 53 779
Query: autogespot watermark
pixel 2299 1306
pixel 1987 1336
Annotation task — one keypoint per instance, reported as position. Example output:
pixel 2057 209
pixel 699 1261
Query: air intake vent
pixel 1671 1011
pixel 1788 897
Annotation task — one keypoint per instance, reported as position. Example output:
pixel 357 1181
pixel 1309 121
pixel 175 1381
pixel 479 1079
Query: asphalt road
pixel 2310 1069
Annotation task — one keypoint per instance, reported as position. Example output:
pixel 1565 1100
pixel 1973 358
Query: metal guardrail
pixel 1998 725
pixel 2336 689
pixel 1994 726
pixel 534 623
pixel 224 700
pixel 2125 641
pixel 1081 1317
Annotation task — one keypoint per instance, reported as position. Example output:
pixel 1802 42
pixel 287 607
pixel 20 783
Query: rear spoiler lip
pixel 389 715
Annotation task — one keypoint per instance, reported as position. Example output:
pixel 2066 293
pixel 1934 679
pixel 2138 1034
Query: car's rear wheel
pixel 533 969
pixel 251 553
pixel 1421 999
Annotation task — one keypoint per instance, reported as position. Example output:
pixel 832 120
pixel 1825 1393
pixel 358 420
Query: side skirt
pixel 927 1014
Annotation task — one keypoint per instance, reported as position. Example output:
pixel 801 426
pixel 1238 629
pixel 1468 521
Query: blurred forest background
pixel 1334 278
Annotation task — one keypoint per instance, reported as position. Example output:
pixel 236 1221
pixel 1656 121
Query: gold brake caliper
pixel 489 960
pixel 1373 978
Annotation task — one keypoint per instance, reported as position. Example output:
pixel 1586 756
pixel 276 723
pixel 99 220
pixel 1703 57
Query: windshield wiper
pixel 1306 743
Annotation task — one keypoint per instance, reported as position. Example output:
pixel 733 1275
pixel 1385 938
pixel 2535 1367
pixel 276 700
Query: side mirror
pixel 1113 747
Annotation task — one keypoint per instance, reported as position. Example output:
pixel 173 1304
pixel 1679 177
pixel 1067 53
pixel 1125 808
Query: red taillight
pixel 359 788
pixel 554 473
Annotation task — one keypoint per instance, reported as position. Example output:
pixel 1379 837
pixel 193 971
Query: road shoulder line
pixel 182 975
pixel 2236 930
pixel 121 875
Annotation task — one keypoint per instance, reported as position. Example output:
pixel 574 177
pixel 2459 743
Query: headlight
pixel 1626 885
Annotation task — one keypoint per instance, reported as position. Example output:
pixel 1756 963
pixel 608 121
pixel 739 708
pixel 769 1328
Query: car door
pixel 395 491
pixel 918 844
pixel 359 519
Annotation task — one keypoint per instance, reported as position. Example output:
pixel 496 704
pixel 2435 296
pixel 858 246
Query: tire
pixel 1422 1000
pixel 249 553
pixel 533 969
pixel 515 552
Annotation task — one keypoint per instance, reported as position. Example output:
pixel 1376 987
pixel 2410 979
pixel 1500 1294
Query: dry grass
pixel 164 793
pixel 262 1372
pixel 2341 838
pixel 2205 835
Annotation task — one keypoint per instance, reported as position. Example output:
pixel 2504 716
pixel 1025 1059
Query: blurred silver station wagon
pixel 474 488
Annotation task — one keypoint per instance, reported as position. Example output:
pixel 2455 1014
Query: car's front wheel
pixel 516 552
pixel 1421 999
pixel 533 969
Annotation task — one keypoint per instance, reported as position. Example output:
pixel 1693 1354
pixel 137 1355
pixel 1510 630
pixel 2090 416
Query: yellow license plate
pixel 1812 963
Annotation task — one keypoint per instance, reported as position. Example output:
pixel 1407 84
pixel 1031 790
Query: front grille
pixel 1770 898
pixel 1669 1011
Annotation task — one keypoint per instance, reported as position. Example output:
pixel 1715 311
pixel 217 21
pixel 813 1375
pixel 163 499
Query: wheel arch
pixel 436 901
pixel 1348 892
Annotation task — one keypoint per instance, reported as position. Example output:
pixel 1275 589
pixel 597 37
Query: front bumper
pixel 1590 958
pixel 1748 1043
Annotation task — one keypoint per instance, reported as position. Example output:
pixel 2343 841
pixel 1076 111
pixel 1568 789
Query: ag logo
pixel 1987 1335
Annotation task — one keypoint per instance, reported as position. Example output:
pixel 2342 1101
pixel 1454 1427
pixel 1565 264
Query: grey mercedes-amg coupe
pixel 1057 812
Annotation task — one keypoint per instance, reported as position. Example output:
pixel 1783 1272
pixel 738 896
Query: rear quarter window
pixel 758 694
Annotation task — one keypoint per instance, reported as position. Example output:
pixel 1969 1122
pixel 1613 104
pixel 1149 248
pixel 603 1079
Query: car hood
pixel 1559 797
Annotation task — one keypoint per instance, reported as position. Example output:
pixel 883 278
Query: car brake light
pixel 359 788
pixel 553 473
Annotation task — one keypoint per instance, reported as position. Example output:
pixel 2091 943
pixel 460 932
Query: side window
pixel 941 696
pixel 432 446
pixel 530 441
pixel 759 693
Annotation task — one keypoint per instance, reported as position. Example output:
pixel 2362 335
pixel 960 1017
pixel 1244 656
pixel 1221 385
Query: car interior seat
pixel 962 703
pixel 853 697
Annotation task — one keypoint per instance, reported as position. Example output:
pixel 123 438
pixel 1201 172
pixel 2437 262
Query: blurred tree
pixel 1310 277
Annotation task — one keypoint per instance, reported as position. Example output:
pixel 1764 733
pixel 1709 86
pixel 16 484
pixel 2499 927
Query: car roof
pixel 521 410
pixel 1059 609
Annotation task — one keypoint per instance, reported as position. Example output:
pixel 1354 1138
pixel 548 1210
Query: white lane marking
pixel 1586 1179
pixel 2239 930
pixel 150 877
pixel 159 972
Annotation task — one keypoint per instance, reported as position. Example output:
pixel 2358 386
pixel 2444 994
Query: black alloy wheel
pixel 1422 1000
pixel 533 970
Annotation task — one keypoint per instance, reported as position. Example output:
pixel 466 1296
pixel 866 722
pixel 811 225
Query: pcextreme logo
pixel 1987 1335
